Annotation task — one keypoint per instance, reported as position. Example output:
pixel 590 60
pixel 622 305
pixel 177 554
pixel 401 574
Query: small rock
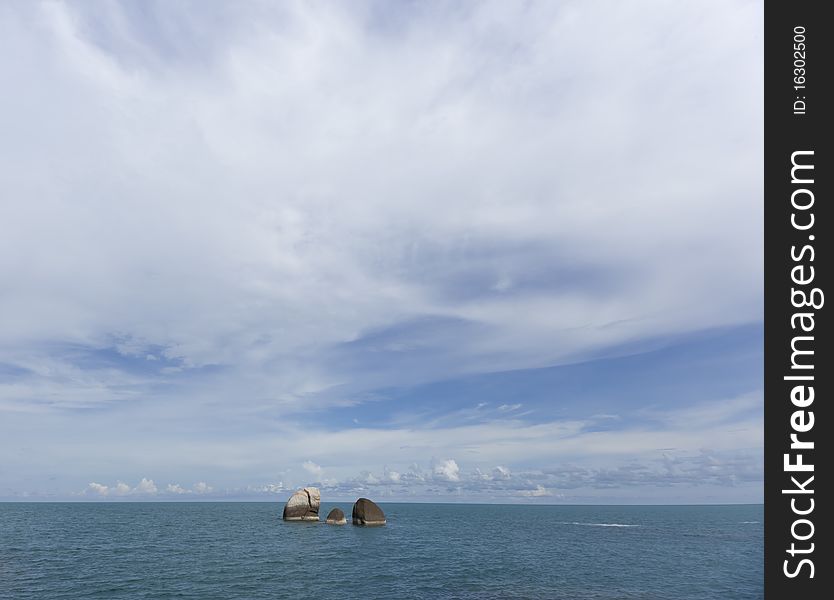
pixel 367 513
pixel 336 517
pixel 303 505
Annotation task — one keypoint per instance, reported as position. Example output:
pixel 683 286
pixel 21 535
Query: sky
pixel 414 251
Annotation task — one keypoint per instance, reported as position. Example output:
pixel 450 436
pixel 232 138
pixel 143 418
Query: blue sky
pixel 494 252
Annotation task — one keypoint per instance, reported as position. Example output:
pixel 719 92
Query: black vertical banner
pixel 798 332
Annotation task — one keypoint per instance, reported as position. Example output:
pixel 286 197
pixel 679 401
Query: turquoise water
pixel 427 551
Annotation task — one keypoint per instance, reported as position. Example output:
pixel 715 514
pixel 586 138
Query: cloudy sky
pixel 458 251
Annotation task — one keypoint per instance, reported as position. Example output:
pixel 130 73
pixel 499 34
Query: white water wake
pixel 599 524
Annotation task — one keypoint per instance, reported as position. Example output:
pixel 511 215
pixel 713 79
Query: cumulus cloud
pixel 144 487
pixel 122 489
pixel 202 487
pixel 97 488
pixel 662 474
pixel 447 470
pixel 198 488
pixel 657 476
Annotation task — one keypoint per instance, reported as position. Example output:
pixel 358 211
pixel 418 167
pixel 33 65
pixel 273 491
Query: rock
pixel 336 517
pixel 303 505
pixel 367 513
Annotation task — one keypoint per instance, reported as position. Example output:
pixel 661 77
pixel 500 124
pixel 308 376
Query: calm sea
pixel 431 551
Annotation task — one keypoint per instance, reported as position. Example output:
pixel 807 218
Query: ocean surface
pixel 427 551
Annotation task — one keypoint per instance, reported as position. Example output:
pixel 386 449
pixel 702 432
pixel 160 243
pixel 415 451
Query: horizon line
pixel 279 502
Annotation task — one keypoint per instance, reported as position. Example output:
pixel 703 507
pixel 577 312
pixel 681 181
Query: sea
pixel 243 550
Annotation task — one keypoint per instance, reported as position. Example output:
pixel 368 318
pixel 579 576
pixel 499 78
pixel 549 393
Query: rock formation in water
pixel 303 505
pixel 336 517
pixel 367 513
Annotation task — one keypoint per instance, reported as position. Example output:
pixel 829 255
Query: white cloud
pixel 711 413
pixel 500 472
pixel 97 488
pixel 121 489
pixel 538 492
pixel 256 234
pixel 218 233
pixel 271 488
pixel 146 486
pixel 659 475
pixel 202 487
pixel 447 470
pixel 312 468
pixel 500 450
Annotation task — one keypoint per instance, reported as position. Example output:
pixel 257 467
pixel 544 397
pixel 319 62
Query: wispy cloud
pixel 312 468
pixel 234 224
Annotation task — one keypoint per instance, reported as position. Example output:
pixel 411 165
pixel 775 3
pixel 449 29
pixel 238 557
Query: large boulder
pixel 367 513
pixel 336 517
pixel 303 505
